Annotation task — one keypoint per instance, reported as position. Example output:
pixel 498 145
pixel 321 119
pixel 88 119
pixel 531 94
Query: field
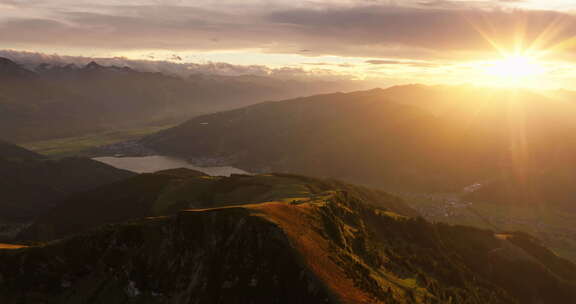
pixel 79 145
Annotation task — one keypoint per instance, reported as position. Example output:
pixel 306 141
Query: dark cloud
pixel 384 62
pixel 431 29
pixel 406 63
pixel 465 4
pixel 21 3
pixel 341 65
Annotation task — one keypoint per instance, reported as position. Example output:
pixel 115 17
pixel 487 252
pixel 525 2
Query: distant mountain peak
pixel 48 67
pixel 5 62
pixel 93 66
pixel 44 66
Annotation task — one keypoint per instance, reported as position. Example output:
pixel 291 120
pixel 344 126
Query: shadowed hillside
pixel 12 152
pixel 31 184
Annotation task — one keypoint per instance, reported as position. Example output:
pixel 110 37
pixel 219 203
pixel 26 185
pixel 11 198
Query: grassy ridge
pixel 335 243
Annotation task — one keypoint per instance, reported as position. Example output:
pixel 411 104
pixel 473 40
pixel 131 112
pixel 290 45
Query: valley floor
pixel 556 230
pixel 80 145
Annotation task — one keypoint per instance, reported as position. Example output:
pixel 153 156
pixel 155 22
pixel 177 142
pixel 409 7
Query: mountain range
pixel 53 101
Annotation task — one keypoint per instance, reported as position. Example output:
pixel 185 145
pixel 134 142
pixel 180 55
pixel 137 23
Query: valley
pixel 552 227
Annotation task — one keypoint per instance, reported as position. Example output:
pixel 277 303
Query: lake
pixel 147 164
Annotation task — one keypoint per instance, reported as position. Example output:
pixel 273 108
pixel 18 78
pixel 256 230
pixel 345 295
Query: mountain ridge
pixel 331 248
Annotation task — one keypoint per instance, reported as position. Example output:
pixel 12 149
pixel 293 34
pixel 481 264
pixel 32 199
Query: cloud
pixel 415 29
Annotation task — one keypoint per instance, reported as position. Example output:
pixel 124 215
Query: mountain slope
pixel 12 152
pixel 396 138
pixel 331 247
pixel 337 135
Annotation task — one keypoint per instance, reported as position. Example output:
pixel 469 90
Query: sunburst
pixel 515 69
pixel 526 53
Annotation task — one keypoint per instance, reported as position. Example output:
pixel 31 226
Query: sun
pixel 511 70
pixel 515 68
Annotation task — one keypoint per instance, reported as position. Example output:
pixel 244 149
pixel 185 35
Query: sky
pixel 394 41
